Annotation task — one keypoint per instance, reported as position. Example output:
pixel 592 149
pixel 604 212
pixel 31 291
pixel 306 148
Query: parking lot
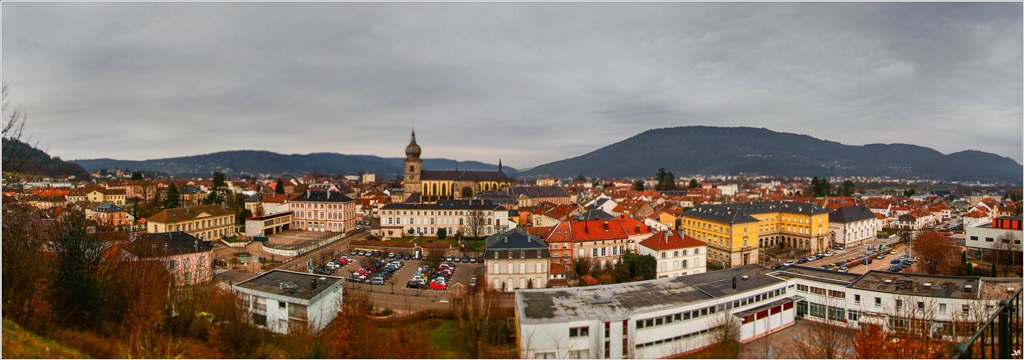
pixel 858 254
pixel 394 293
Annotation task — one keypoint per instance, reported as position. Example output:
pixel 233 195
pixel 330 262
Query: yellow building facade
pixel 735 233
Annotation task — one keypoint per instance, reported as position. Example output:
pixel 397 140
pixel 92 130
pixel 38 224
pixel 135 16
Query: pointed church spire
pixel 499 164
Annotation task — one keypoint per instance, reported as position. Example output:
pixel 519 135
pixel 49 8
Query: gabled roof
pixel 670 240
pixel 514 239
pixel 167 244
pixel 107 207
pixel 851 214
pixel 188 213
pixel 596 230
pixel 322 196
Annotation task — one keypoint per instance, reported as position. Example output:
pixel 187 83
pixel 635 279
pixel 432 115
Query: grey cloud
pixel 530 83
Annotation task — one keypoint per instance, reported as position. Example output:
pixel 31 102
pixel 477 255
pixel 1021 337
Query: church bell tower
pixel 413 168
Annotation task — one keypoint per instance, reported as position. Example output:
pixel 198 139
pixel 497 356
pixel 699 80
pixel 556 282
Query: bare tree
pixel 14 157
pixel 724 337
pixel 473 317
pixel 1007 252
pixel 475 220
pixel 827 335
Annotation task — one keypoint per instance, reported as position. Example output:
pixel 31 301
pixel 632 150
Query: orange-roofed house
pixel 602 241
pixel 676 253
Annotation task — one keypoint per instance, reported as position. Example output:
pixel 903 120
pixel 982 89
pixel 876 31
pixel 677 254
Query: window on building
pixel 856 298
pixel 878 301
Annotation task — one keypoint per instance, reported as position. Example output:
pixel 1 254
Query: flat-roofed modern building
pixel 648 319
pixel 285 301
pixel 1003 233
pixel 675 316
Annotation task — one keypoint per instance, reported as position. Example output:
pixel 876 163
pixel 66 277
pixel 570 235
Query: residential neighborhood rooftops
pixel 669 240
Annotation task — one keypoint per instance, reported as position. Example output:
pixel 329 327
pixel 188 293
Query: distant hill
pixel 33 161
pixel 250 162
pixel 721 150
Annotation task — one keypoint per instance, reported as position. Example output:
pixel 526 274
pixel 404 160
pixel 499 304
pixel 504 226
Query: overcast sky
pixel 529 83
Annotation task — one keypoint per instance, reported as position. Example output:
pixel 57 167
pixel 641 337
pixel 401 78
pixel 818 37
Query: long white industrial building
pixel 671 317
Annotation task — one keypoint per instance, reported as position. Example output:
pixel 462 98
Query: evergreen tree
pixel 279 189
pixel 442 233
pixel 172 199
pixel 693 184
pixel 671 181
pixel 847 188
pixel 638 185
pixel 136 175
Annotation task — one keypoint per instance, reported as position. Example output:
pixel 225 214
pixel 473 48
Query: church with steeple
pixel 429 186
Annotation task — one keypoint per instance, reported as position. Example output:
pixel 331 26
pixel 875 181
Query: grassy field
pixel 21 343
pixel 440 336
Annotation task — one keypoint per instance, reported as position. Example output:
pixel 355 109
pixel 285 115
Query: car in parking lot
pixel 893 252
pixel 377 281
pixel 829 253
pixel 438 285
pixel 880 256
pixel 789 262
pixel 802 261
pixel 843 269
pixel 776 267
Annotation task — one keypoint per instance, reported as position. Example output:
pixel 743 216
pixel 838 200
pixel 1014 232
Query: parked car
pixel 843 269
pixel 377 281
pixel 437 285
pixel 465 259
pixel 880 256
pixel 457 259
pixel 407 257
pixel 776 267
pixel 893 252
pixel 829 253
pixel 789 262
pixel 802 261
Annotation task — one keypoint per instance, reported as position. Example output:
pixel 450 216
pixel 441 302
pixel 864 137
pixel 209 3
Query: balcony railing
pixel 999 337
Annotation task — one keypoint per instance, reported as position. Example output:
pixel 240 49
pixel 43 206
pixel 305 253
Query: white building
pixel 676 253
pixel 516 260
pixel 853 225
pixel 454 216
pixel 729 189
pixel 1003 233
pixel 648 319
pixel 672 317
pixel 283 301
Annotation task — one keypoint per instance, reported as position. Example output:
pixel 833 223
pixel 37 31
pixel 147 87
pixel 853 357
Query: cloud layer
pixel 529 83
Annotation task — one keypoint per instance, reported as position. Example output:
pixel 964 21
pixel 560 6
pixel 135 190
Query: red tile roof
pixel 659 242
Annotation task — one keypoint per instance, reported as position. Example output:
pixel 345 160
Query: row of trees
pixel 631 267
pixel 822 187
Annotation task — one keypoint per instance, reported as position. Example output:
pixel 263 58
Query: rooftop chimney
pixel 605 226
pixel 312 284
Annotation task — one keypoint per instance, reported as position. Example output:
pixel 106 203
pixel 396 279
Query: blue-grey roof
pixel 737 213
pixel 851 214
pixel 594 214
pixel 447 205
pixel 167 244
pixel 107 207
pixel 322 196
pixel 523 245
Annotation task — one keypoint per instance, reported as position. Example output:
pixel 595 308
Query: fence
pixel 999 337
